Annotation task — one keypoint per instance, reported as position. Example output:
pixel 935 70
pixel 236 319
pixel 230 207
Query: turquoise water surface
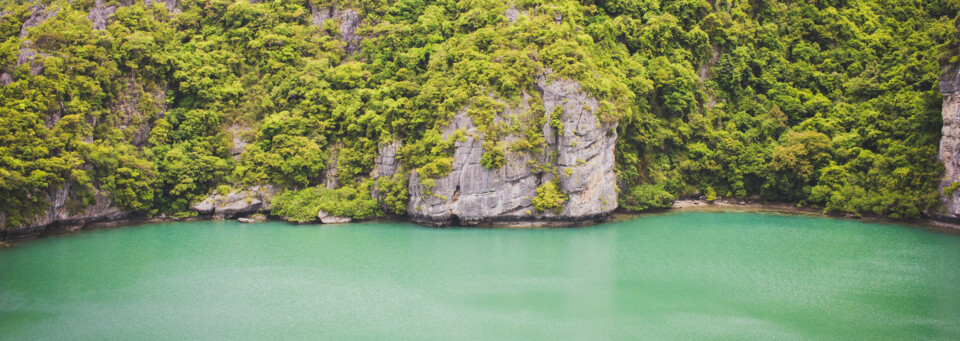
pixel 690 275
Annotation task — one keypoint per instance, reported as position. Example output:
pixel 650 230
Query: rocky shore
pixel 260 215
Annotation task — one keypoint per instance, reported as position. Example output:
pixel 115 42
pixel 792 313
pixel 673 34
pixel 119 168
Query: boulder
pixel 235 204
pixel 330 219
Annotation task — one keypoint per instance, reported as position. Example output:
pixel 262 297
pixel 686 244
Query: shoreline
pixel 679 206
pixel 930 223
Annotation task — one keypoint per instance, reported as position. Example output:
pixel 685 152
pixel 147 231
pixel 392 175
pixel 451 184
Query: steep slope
pixel 950 143
pixel 477 112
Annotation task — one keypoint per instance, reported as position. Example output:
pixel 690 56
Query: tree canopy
pixel 830 104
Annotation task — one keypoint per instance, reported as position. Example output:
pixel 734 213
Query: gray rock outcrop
pixel 38 14
pixel 100 14
pixel 137 107
pixel 950 142
pixel 330 173
pixel 31 57
pixel 238 203
pixel 27 55
pixel 171 5
pixel 326 218
pixel 386 164
pixel 239 144
pixel 512 14
pixel 580 158
pixel 705 73
pixel 59 216
pixel 349 24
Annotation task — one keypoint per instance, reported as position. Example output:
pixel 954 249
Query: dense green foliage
pixel 549 197
pixel 830 104
pixel 303 205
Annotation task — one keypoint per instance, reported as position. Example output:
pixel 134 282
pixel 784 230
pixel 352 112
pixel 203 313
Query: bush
pixel 303 205
pixel 549 197
pixel 646 197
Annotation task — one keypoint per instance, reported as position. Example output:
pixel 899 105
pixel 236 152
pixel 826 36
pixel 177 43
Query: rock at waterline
pixel 246 220
pixel 331 219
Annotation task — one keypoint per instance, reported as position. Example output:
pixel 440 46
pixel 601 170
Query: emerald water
pixel 690 275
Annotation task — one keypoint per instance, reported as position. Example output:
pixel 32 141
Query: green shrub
pixel 646 197
pixel 549 197
pixel 303 205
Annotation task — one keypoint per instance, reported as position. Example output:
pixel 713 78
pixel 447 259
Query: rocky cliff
pixel 131 107
pixel 580 158
pixel 950 143
pixel 60 215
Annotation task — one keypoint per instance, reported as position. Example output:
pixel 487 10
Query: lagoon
pixel 678 275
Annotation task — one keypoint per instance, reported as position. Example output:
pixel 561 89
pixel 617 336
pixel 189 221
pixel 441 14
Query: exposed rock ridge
pixel 580 158
pixel 950 142
pixel 349 23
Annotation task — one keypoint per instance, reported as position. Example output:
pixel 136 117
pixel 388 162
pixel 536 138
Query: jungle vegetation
pixel 823 103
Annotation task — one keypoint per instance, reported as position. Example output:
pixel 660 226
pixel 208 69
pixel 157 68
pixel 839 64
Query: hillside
pixel 468 111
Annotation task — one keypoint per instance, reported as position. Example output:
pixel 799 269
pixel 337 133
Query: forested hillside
pixel 158 104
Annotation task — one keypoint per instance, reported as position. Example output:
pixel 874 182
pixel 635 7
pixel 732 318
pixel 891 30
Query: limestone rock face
pixel 239 143
pixel 950 142
pixel 950 80
pixel 237 203
pixel 171 5
pixel 386 163
pixel 130 104
pixel 580 157
pixel 330 180
pixel 60 215
pixel 586 147
pixel 349 23
pixel 31 57
pixel 386 166
pixel 100 14
pixel 38 14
